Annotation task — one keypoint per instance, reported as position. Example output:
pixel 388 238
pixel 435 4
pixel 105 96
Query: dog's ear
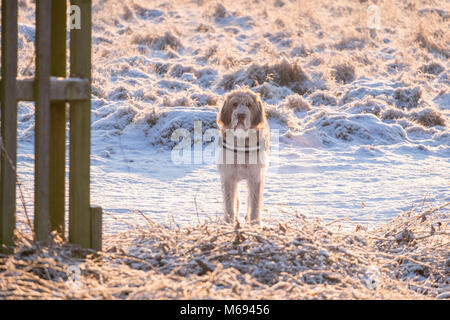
pixel 224 115
pixel 259 114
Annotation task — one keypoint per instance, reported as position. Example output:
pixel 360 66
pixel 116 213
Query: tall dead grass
pixel 434 40
pixel 283 73
pixel 406 258
pixel 163 41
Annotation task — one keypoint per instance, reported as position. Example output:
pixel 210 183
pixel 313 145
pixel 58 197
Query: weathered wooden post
pixel 96 228
pixel 50 90
pixel 8 105
pixel 58 119
pixel 80 226
pixel 42 121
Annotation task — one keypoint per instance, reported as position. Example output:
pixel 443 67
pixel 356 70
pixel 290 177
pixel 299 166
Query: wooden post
pixel 61 90
pixel 96 228
pixel 58 119
pixel 50 95
pixel 80 132
pixel 8 107
pixel 42 126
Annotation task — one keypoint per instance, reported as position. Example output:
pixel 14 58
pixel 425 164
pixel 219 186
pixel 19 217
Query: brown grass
pixel 343 72
pixel 158 41
pixel 283 73
pixel 429 117
pixel 436 41
pixel 296 259
pixel 297 103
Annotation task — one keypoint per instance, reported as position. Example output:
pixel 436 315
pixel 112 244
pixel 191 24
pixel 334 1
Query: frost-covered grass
pixel 189 53
pixel 328 82
pixel 406 258
pixel 363 117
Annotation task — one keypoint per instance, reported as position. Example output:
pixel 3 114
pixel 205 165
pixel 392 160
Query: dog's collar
pixel 246 149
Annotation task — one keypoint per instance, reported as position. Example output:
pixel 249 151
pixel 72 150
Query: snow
pixel 364 150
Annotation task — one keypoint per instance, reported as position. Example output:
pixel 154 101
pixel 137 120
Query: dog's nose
pixel 241 116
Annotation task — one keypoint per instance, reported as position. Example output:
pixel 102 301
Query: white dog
pixel 243 153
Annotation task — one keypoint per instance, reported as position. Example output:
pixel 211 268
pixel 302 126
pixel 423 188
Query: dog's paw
pixel 255 222
pixel 228 219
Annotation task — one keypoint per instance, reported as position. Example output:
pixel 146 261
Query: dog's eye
pixel 235 104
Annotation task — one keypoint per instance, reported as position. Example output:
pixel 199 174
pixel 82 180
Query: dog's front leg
pixel 255 195
pixel 229 190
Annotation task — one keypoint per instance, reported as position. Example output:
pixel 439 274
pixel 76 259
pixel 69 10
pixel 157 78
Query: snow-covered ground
pixel 362 116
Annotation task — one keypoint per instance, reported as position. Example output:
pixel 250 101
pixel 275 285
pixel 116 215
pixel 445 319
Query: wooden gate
pixel 50 90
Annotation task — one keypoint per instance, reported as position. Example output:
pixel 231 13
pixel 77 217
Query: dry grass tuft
pixel 407 98
pixel 406 258
pixel 343 72
pixel 436 41
pixel 283 73
pixel 178 70
pixel 220 11
pixel 429 117
pixel 393 114
pixel 158 42
pixel 320 97
pixel 297 103
pixel 351 43
pixel 434 68
pixel 288 72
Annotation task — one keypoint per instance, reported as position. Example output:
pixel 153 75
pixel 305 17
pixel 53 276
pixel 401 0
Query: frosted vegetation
pixel 297 259
pixel 363 117
pixel 316 65
pixel 361 113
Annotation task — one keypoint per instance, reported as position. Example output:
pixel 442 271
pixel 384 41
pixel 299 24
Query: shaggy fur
pixel 242 122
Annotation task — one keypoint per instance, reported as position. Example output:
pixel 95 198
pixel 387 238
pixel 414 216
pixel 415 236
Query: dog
pixel 244 146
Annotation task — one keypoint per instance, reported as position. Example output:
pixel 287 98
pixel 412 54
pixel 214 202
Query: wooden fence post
pixel 42 119
pixel 50 95
pixel 8 105
pixel 96 228
pixel 58 119
pixel 80 132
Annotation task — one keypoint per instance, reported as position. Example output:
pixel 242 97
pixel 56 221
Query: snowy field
pixel 362 115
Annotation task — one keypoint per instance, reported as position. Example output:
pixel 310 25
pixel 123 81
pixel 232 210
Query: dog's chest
pixel 239 172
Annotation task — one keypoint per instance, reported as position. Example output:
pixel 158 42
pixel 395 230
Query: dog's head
pixel 243 110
